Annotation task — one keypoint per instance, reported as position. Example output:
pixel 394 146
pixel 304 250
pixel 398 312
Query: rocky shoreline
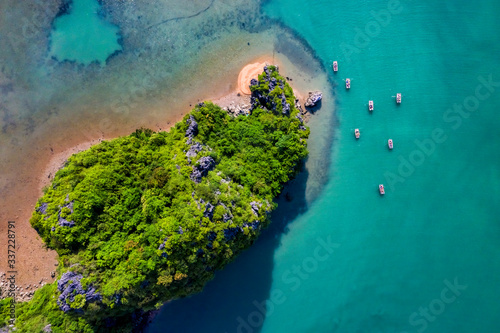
pixel 22 293
pixel 235 104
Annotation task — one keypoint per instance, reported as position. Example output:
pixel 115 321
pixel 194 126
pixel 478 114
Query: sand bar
pixel 247 73
pixel 35 262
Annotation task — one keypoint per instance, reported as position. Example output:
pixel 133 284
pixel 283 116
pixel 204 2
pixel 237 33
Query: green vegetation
pixel 146 218
pixel 5 311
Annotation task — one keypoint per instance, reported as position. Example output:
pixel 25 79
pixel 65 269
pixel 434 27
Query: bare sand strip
pixel 36 263
pixel 249 72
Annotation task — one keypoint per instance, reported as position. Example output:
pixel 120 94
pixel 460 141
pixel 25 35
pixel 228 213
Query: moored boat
pixel 356 133
pixel 398 98
pixel 335 66
pixel 370 105
pixel 348 83
pixel 389 143
pixel 381 189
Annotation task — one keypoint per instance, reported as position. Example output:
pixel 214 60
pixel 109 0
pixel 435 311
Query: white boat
pixel 389 143
pixel 398 98
pixel 370 105
pixel 356 133
pixel 381 189
pixel 335 66
pixel 348 83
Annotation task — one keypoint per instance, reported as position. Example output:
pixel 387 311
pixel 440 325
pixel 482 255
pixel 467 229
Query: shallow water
pixel 438 221
pixel 392 257
pixel 82 35
pixel 423 258
pixel 172 57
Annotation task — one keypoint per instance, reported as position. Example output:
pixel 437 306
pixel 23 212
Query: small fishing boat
pixel 389 143
pixel 348 83
pixel 381 189
pixel 356 133
pixel 335 66
pixel 398 98
pixel 370 105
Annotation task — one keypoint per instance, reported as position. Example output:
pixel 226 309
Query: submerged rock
pixel 314 98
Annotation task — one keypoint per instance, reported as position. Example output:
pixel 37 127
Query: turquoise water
pixel 426 256
pixel 82 35
pixel 391 258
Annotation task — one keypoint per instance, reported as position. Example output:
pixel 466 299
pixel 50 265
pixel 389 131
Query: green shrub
pixel 128 220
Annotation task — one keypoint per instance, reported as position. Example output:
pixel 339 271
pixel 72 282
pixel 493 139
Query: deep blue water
pixel 426 256
pixel 423 258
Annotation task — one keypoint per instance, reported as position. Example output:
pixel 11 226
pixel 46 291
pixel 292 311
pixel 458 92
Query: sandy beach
pixel 35 264
pixel 249 72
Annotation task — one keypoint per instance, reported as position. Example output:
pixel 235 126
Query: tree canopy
pixel 147 218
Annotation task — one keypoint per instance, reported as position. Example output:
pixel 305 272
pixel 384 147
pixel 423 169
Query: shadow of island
pixel 235 300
